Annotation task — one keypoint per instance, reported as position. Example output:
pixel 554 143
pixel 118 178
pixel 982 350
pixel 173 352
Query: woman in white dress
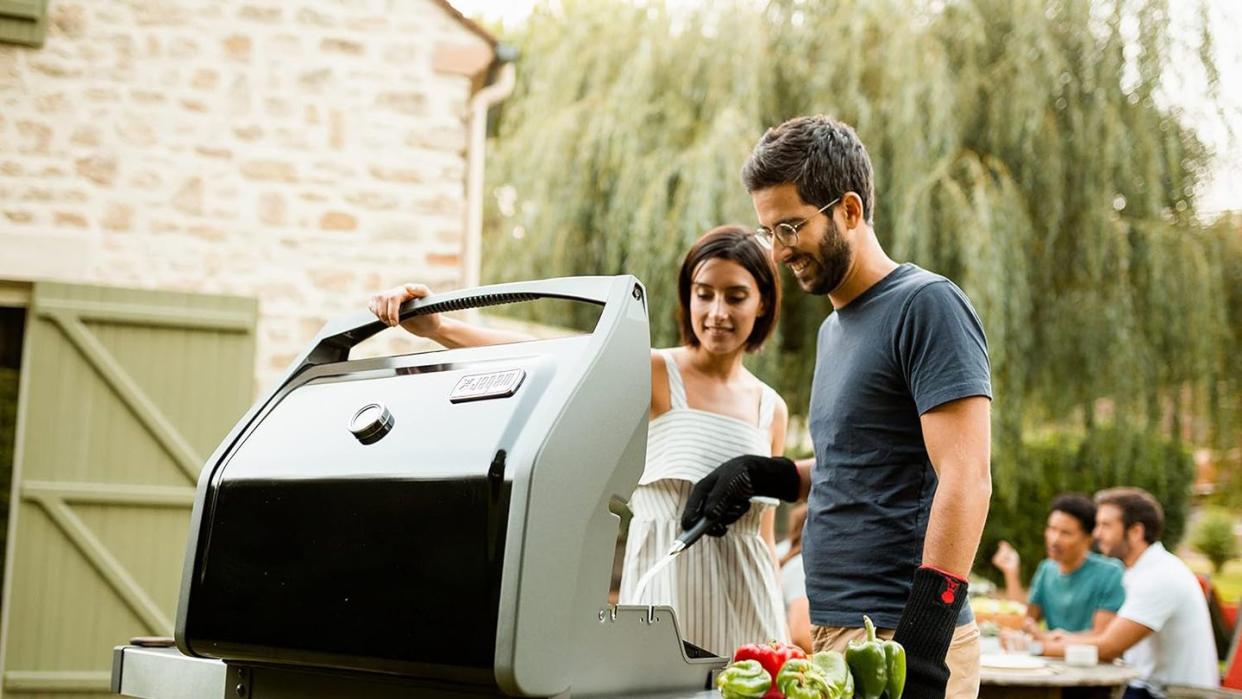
pixel 706 408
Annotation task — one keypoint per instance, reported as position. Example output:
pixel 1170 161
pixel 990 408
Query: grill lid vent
pixel 371 423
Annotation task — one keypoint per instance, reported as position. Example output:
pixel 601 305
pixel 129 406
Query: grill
pixel 437 520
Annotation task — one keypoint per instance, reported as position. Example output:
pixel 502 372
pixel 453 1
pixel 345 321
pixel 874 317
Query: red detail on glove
pixel 950 591
pixel 951 582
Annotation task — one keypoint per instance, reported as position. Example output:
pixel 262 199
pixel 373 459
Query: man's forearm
pixel 1013 587
pixel 1120 635
pixel 959 510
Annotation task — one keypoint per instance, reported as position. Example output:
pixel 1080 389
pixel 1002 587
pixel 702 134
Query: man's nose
pixel 780 251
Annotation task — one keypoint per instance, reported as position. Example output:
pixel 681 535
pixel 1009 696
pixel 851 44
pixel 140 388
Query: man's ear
pixel 852 210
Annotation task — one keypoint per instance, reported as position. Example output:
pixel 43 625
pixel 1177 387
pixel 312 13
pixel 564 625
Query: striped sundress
pixel 725 590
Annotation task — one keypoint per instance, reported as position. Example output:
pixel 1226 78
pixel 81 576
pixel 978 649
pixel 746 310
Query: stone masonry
pixel 303 152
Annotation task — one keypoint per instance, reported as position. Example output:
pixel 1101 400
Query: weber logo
pixel 494 384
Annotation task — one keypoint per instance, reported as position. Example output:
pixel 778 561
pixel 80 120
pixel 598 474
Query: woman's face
pixel 724 303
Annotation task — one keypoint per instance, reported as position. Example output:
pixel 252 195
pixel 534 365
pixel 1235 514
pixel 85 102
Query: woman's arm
pixel 767 530
pixel 660 401
pixel 799 620
pixel 780 423
pixel 448 332
pixel 767 525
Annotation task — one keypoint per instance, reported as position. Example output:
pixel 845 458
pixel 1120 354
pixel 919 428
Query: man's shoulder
pixel 928 291
pixel 1104 565
pixel 909 279
pixel 916 275
pixel 1162 574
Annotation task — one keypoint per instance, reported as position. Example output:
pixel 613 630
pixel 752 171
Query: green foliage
pixel 1062 463
pixel 1215 539
pixel 1021 148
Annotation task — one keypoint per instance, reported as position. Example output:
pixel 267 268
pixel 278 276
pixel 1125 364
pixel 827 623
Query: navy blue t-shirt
pixel 909 343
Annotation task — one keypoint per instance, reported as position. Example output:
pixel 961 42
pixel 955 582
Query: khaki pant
pixel 963 657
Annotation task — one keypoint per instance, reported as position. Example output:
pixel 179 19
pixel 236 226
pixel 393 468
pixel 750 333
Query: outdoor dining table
pixel 1056 679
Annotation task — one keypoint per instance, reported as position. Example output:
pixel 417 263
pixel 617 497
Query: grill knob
pixel 371 423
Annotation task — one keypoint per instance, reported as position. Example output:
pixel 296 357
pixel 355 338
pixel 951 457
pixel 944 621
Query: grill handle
pixel 340 335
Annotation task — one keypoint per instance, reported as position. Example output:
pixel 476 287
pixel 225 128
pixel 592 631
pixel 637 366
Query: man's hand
pixel 386 306
pixel 723 495
pixel 1120 635
pixel 1057 635
pixel 926 630
pixel 1006 558
pixel 1009 562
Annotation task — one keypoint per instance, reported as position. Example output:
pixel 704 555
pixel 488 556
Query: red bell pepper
pixel 772 656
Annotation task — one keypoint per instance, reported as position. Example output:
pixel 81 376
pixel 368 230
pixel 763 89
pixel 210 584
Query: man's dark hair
pixel 1137 507
pixel 821 156
pixel 739 245
pixel 1078 506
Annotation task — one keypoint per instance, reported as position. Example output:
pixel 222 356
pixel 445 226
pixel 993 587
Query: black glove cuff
pixel 926 630
pixel 782 479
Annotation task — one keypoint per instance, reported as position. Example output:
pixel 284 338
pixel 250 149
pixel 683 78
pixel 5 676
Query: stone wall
pixel 304 152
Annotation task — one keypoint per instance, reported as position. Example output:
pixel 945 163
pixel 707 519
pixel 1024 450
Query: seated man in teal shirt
pixel 1073 589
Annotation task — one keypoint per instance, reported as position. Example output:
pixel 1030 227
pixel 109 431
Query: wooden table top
pixel 1057 674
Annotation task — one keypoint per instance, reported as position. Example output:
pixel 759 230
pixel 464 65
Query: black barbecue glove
pixel 926 629
pixel 723 495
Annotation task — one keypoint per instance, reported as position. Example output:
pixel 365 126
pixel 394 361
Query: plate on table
pixel 999 661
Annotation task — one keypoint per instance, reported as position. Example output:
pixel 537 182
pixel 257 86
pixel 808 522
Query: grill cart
pixel 432 525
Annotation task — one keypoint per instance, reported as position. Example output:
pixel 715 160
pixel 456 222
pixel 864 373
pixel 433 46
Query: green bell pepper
pixel 801 679
pixel 836 671
pixel 895 656
pixel 745 679
pixel 878 666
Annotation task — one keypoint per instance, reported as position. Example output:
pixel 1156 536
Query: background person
pixel 1074 589
pixel 1163 628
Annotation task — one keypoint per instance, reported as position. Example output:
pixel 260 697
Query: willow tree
pixel 1021 148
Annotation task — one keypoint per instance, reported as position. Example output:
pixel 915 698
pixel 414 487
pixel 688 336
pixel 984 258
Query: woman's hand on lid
pixel 386 306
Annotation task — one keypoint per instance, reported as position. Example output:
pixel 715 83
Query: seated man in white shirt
pixel 1163 628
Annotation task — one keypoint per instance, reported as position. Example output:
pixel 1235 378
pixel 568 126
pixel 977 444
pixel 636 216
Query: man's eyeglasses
pixel 787 233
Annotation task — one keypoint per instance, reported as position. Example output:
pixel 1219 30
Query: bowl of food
pixel 1003 613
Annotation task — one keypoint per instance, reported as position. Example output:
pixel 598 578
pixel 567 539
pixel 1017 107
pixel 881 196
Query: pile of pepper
pixel 870 669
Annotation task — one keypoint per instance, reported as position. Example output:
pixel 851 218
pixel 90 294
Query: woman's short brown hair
pixel 736 244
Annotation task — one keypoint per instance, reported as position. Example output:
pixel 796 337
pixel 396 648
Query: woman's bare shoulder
pixel 660 401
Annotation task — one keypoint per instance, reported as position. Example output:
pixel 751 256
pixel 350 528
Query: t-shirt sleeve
pixel 793 581
pixel 942 347
pixel 1112 594
pixel 1037 588
pixel 1148 603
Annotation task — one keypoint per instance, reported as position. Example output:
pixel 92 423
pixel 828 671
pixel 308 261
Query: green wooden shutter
pixel 23 22
pixel 123 394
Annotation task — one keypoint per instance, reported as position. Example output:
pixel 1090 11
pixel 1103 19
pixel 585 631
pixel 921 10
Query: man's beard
pixel 834 261
pixel 1119 550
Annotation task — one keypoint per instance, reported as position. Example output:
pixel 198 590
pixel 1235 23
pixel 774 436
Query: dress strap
pixel 767 408
pixel 676 389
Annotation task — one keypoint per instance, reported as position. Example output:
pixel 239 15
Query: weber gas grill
pixel 434 524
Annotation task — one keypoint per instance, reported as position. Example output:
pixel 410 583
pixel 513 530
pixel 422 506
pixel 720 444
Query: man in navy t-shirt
pixel 900 418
